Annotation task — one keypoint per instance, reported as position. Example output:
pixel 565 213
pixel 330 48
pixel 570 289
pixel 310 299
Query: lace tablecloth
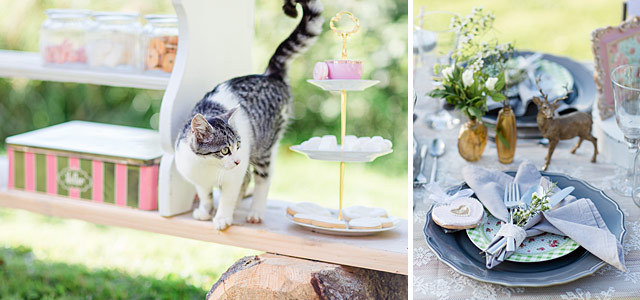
pixel 435 280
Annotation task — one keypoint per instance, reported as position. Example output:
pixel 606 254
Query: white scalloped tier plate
pixel 343 84
pixel 344 232
pixel 342 156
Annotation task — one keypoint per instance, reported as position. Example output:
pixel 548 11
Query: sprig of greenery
pixel 474 48
pixel 538 204
pixel 478 69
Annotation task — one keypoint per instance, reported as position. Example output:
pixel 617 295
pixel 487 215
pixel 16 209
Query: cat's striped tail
pixel 300 39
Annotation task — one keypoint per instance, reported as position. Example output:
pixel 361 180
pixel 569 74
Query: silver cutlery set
pixel 513 200
pixel 436 150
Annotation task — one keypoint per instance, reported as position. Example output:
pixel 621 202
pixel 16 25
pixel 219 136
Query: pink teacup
pixel 345 69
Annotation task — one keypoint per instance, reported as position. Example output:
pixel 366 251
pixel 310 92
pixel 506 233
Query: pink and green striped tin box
pixel 88 161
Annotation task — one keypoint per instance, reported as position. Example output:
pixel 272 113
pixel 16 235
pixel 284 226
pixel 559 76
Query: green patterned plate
pixel 538 248
pixel 555 79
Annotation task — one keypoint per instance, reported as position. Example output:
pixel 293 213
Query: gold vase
pixel 472 139
pixel 506 128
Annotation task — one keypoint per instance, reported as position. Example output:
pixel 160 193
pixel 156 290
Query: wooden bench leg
pixel 271 276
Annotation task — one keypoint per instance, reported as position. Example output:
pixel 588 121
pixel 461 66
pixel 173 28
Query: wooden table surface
pixel 435 280
pixel 386 251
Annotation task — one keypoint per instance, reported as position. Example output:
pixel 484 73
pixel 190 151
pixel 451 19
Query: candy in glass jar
pixel 160 43
pixel 63 37
pixel 113 44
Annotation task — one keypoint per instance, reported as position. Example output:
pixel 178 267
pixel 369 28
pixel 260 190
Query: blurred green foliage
pixel 381 44
pixel 551 26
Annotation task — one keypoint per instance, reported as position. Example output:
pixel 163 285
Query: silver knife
pixel 526 197
pixel 557 197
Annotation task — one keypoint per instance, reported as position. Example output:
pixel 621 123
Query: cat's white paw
pixel 255 217
pixel 221 223
pixel 201 214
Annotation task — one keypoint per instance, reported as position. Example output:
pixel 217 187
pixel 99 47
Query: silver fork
pixel 511 201
pixel 511 198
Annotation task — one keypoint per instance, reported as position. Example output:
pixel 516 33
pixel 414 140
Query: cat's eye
pixel 225 150
pixel 238 146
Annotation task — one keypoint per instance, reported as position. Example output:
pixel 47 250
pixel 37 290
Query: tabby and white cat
pixel 239 124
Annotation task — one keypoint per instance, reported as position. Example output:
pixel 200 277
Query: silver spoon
pixel 421 179
pixel 437 149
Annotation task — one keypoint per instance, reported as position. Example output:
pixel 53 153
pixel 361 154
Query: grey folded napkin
pixel 577 219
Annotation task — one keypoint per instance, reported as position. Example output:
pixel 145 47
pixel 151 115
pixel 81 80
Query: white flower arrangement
pixel 477 71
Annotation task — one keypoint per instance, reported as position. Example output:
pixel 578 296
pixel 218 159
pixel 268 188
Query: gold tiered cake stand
pixel 343 156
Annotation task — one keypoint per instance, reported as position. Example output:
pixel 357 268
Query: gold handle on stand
pixel 342 33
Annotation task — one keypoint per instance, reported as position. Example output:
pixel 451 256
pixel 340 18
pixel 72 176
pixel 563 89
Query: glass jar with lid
pixel 63 37
pixel 113 43
pixel 160 43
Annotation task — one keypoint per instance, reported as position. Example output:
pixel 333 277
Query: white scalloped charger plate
pixel 345 156
pixel 343 84
pixel 344 232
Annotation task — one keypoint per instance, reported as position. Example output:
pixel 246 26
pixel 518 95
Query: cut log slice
pixel 271 276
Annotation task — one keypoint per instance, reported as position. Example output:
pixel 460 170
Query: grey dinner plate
pixel 581 99
pixel 457 251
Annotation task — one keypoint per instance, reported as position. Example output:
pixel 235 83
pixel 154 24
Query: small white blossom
pixel 477 65
pixel 491 83
pixel 447 72
pixel 467 78
pixel 463 40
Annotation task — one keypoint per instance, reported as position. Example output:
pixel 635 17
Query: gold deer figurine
pixel 556 128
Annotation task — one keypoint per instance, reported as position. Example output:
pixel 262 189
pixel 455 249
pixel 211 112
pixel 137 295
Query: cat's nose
pixel 237 162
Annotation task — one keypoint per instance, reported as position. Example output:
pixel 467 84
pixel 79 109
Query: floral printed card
pixel 612 47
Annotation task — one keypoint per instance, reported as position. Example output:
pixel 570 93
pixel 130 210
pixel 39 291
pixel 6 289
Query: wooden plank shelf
pixel 29 65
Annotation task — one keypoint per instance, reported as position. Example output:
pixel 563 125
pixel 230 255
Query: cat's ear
pixel 228 116
pixel 201 128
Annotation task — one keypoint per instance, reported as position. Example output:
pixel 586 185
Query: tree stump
pixel 271 276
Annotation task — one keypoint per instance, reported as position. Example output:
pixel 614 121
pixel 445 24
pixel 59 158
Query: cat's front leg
pixel 229 192
pixel 205 208
pixel 262 178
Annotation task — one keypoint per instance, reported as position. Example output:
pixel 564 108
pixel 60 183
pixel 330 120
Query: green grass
pixel 25 277
pixel 557 27
pixel 84 250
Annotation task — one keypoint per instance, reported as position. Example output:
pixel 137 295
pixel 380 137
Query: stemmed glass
pixel 434 40
pixel 625 81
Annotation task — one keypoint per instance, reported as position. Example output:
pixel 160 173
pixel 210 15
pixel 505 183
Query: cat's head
pixel 216 139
